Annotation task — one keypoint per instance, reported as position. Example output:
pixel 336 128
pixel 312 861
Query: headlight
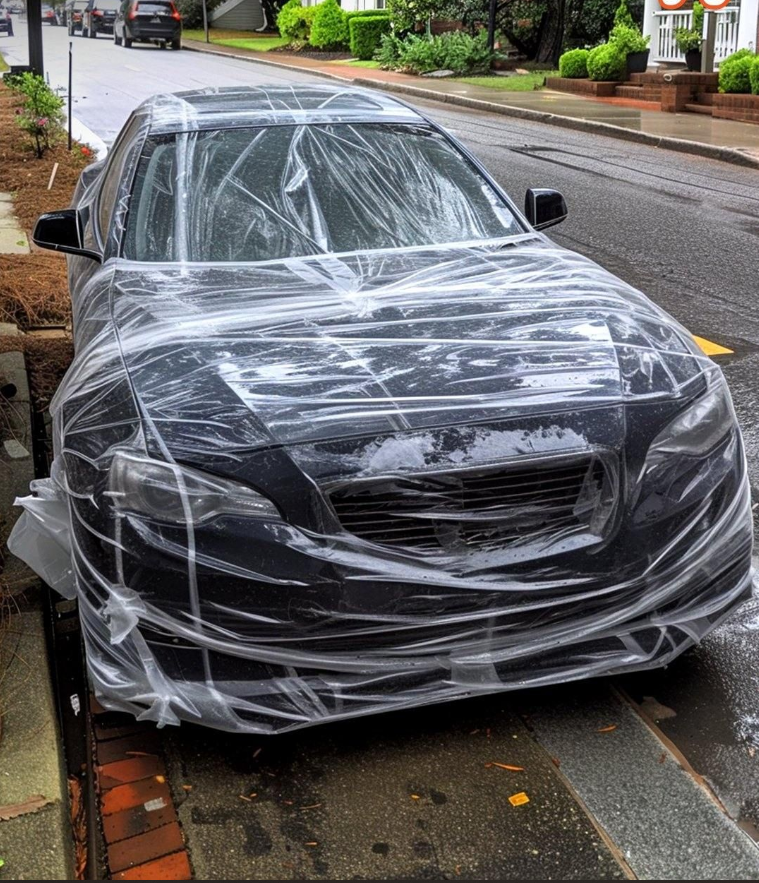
pixel 699 428
pixel 166 492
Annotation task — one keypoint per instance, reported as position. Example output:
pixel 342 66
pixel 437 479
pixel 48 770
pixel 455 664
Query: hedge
pixel 734 72
pixel 574 64
pixel 329 29
pixel 366 34
pixel 606 63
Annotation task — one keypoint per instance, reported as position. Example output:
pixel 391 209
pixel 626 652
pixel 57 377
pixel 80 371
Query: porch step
pixel 646 92
pixel 699 108
pixel 706 98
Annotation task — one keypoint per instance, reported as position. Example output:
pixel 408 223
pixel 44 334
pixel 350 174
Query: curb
pixel 681 145
pixel 84 135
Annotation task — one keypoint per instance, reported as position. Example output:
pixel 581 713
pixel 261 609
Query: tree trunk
pixel 551 35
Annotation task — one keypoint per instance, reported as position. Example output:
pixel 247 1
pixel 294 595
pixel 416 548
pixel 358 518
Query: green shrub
pixel 453 50
pixel 192 11
pixel 366 33
pixel 734 72
pixel 574 64
pixel 291 22
pixel 623 16
pixel 367 13
pixel 606 63
pixel 329 29
pixel 628 39
pixel 41 115
pixel 753 75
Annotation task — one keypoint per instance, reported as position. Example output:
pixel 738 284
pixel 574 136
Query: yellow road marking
pixel 711 348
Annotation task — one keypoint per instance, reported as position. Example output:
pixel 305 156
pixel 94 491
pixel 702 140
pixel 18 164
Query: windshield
pixel 289 191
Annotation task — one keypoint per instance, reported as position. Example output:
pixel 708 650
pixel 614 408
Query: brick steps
pixel 639 93
pixel 699 108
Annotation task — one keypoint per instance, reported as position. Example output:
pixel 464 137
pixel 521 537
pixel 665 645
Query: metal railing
pixel 664 47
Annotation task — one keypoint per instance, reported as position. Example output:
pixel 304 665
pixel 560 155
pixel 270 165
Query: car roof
pixel 233 106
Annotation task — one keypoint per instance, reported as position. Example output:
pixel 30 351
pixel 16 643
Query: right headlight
pixel 166 492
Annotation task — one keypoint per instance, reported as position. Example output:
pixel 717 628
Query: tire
pixel 116 40
pixel 176 44
pixel 85 32
pixel 127 41
pixel 93 33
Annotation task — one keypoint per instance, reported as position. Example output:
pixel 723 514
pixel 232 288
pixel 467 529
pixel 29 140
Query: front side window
pixel 286 191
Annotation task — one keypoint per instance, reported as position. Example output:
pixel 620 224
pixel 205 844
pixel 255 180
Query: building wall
pixel 238 15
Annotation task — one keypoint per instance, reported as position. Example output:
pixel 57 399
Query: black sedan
pixel 148 21
pixel 346 433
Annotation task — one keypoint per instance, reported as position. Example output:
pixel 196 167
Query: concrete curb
pixel 80 133
pixel 695 148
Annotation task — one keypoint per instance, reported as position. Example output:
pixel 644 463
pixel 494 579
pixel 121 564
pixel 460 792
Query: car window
pixel 155 6
pixel 282 191
pixel 112 177
pixel 107 4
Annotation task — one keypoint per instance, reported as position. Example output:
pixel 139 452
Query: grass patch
pixel 517 83
pixel 238 39
pixel 372 64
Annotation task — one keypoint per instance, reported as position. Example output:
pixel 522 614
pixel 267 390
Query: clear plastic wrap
pixel 295 481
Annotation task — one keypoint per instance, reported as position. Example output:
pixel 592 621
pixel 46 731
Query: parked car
pixel 74 12
pixel 15 8
pixel 148 21
pixel 99 17
pixel 346 432
pixel 6 22
pixel 49 15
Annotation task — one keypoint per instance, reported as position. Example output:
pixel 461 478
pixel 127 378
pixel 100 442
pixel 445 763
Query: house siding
pixel 238 15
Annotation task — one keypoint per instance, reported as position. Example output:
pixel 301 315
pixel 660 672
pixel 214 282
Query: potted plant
pixel 632 45
pixel 689 39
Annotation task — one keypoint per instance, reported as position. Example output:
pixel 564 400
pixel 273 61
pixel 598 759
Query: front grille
pixel 545 502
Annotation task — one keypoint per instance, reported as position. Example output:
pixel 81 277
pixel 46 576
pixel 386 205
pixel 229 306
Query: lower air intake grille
pixel 549 502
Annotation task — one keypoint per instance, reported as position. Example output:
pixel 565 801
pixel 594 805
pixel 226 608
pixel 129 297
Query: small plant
pixel 456 51
pixel 606 63
pixel 40 115
pixel 734 71
pixel 366 33
pixel 390 50
pixel 574 64
pixel 689 39
pixel 329 29
pixel 623 16
pixel 628 40
pixel 753 75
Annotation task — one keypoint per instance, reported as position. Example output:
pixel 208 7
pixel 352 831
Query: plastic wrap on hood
pixel 331 481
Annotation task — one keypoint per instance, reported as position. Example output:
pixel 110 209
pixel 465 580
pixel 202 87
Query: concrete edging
pixel 695 148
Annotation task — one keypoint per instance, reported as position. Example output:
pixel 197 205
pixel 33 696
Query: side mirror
pixel 544 208
pixel 62 231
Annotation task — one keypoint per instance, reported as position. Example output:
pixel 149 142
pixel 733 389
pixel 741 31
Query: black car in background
pixel 148 21
pixel 73 13
pixel 346 432
pixel 6 21
pixel 99 17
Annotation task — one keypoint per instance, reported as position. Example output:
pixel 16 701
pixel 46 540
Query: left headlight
pixel 175 494
pixel 699 428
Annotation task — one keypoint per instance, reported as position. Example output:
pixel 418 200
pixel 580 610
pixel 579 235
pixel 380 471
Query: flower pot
pixel 693 59
pixel 637 62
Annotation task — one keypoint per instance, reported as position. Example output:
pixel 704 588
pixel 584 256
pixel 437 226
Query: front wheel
pixel 93 33
pixel 127 42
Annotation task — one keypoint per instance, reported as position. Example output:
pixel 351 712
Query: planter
pixel 693 59
pixel 637 62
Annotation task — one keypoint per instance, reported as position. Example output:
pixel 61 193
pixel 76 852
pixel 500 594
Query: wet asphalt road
pixel 684 230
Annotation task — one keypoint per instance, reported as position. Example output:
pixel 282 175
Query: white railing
pixel 663 45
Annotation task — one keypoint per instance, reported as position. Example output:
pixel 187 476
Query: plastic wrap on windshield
pixel 311 464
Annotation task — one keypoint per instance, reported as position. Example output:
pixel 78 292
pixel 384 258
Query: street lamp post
pixel 205 21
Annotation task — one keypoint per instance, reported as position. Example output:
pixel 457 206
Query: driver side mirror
pixel 544 208
pixel 62 231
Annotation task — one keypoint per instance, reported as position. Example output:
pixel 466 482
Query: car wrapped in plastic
pixel 345 433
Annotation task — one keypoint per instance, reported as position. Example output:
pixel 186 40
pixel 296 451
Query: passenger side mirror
pixel 544 208
pixel 62 231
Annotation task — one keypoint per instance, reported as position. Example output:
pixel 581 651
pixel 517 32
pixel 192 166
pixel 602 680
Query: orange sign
pixel 709 5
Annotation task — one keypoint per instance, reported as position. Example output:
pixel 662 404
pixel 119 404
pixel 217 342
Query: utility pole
pixel 34 23
pixel 707 45
pixel 205 21
pixel 491 24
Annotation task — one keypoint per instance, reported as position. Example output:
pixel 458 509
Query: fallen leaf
pixel 186 787
pixel 253 794
pixel 506 766
pixel 32 804
pixel 608 729
pixel 415 797
pixel 312 843
pixel 243 797
pixel 662 757
pixel 555 761
pixel 751 751
pixel 288 802
pixel 160 779
pixel 519 799
pixel 312 806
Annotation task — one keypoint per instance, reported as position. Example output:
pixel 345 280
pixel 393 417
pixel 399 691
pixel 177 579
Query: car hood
pixel 229 358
